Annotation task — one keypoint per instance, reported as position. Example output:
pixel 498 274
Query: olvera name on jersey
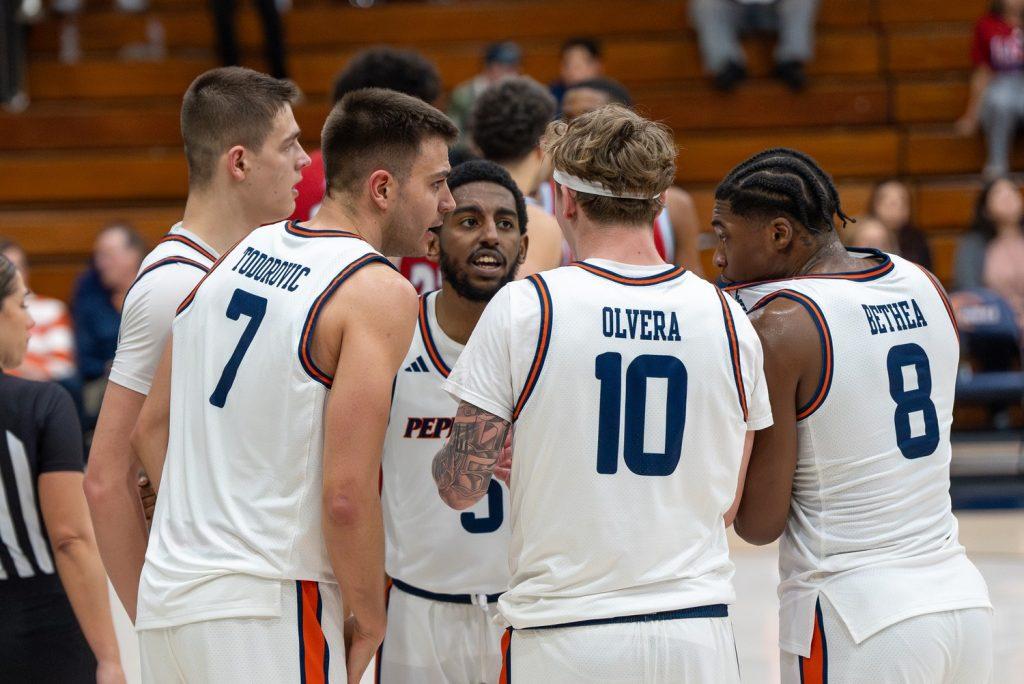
pixel 640 324
pixel 895 317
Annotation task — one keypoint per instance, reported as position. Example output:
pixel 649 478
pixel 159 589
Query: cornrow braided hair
pixel 781 179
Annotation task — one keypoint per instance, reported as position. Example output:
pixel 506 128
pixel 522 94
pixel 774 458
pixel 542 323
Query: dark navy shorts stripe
pixel 434 596
pixel 717 610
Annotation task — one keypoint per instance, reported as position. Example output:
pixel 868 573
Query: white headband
pixel 594 188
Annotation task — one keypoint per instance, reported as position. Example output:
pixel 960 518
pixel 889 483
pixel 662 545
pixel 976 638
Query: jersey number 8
pixel 913 401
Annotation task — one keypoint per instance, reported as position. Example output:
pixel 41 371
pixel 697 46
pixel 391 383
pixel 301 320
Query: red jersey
pixel 997 44
pixel 311 188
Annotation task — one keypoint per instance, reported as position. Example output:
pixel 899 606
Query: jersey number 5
pixel 242 304
pixel 912 401
pixel 608 369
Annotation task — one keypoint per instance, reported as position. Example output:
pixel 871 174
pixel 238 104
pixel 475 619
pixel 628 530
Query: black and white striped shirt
pixel 39 433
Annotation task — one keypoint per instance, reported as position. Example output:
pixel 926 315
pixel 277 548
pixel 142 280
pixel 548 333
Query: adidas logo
pixel 417 366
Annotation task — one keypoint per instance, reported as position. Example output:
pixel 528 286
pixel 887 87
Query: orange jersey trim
pixel 428 341
pixel 734 353
pixel 314 653
pixel 506 658
pixel 188 242
pixel 543 342
pixel 655 279
pixel 814 670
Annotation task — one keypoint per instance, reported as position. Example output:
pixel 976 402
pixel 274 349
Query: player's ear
pixel 569 206
pixel 237 162
pixel 524 245
pixel 382 188
pixel 433 247
pixel 782 232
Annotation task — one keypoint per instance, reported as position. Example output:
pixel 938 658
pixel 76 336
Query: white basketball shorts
pixel 951 647
pixel 304 645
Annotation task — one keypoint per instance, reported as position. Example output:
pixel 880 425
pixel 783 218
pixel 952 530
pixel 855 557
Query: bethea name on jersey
pixel 895 317
pixel 640 324
pixel 268 269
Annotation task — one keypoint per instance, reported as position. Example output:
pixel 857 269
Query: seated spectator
pixel 890 204
pixel 51 347
pixel 96 307
pixel 57 625
pixel 991 254
pixel 581 61
pixel 996 98
pixel 869 232
pixel 719 24
pixel 501 60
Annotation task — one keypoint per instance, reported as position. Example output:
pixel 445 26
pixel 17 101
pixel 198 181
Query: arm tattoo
pixel 462 468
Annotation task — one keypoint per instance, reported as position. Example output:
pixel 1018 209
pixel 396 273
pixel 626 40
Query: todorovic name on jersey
pixel 269 270
pixel 895 317
pixel 640 324
pixel 428 428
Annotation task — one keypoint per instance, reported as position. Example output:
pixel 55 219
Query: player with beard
pixel 448 568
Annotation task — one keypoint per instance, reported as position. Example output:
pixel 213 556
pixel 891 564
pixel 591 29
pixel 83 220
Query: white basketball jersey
pixel 429 545
pixel 632 389
pixel 870 523
pixel 241 493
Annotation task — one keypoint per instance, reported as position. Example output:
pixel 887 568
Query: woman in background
pixel 50 569
pixel 890 204
pixel 991 254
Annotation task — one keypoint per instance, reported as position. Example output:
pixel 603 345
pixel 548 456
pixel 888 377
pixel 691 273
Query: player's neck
pixel 830 256
pixel 337 215
pixel 218 223
pixel 457 315
pixel 624 244
pixel 525 172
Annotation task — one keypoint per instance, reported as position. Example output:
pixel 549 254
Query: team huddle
pixel 521 479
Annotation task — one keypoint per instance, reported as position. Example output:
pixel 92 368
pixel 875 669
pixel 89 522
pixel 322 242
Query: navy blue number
pixel 242 304
pixel 495 513
pixel 912 401
pixel 608 369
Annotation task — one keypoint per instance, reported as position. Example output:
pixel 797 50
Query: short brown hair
pixel 621 150
pixel 374 128
pixel 226 107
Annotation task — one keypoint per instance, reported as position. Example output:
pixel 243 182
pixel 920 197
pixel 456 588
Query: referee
pixel 50 570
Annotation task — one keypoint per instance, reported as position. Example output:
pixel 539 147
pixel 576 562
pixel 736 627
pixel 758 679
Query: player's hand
pixel 503 468
pixel 148 497
pixel 109 672
pixel 360 647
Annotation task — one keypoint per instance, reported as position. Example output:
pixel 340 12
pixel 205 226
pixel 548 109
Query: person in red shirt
pixel 406 71
pixel 997 85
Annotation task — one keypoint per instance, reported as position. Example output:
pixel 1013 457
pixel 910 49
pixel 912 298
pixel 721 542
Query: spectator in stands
pixel 96 307
pixel 406 71
pixel 51 348
pixel 991 254
pixel 501 60
pixel 890 204
pixel 677 227
pixel 871 233
pixel 719 24
pixel 273 34
pixel 506 126
pixel 582 60
pixel 996 98
pixel 56 625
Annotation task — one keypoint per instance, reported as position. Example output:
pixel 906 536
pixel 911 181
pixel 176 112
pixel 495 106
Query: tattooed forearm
pixel 463 467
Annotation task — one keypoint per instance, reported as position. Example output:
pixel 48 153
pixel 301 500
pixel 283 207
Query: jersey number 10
pixel 608 369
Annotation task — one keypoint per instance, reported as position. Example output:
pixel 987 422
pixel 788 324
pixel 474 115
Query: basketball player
pixel 506 124
pixel 676 228
pixel 244 159
pixel 447 569
pixel 632 385
pixel 861 357
pixel 274 405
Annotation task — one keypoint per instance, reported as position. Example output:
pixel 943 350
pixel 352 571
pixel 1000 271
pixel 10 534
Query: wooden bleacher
pixel 100 139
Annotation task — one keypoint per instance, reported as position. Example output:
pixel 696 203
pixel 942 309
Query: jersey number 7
pixel 242 304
